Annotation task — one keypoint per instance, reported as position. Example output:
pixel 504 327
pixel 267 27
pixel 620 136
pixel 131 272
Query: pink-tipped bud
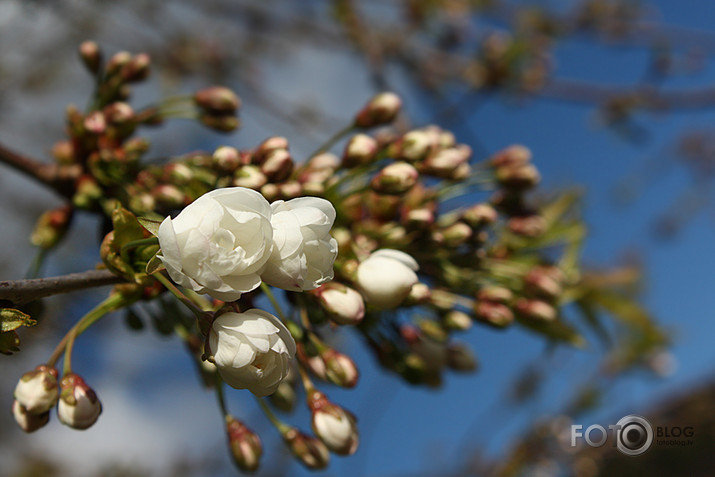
pixel 345 305
pixel 360 150
pixel 91 56
pixel 397 178
pixel 419 294
pixel 420 218
pixel 495 294
pixel 325 160
pixel 536 309
pixel 117 62
pixel 455 235
pixel 333 425
pixel 381 109
pixel 445 162
pixel 416 145
pixel 118 113
pixel 518 177
pixel 340 369
pixel 545 282
pixel 137 69
pixel 78 406
pixel 480 215
pixel 250 176
pixel 311 452
pixel 95 123
pixel 217 100
pixel 179 173
pixel 169 196
pixel 514 155
pixel 260 154
pixel 51 227
pixel 312 363
pixel 493 313
pixel 277 165
pixel 246 448
pixel 37 390
pixel 27 421
pixel 527 225
pixel 226 158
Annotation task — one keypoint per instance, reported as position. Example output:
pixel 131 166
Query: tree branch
pixel 18 292
pixel 60 179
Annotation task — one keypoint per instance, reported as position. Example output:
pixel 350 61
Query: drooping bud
pixel 419 294
pixel 169 196
pixel 91 56
pixel 333 425
pixel 544 282
pixel 179 173
pixel 117 62
pixel 217 100
pixel 260 154
pixel 518 177
pixel 381 109
pixel 220 123
pixel 246 448
pixel 446 161
pixel 226 158
pixel 345 305
pixel 313 362
pixel 416 145
pixel 277 165
pixel 530 226
pixel 513 155
pixel 396 178
pixel 454 235
pixel 311 452
pixel 360 150
pixel 495 294
pixel 419 218
pixel 78 406
pixel 340 369
pixel 95 122
pixel 284 397
pixel 37 390
pixel 27 421
pixel 136 69
pixel 250 176
pixel 386 277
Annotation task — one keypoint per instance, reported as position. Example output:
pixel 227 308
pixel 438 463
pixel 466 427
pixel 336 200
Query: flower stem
pixel 220 396
pixel 178 294
pixel 281 426
pixel 269 293
pixel 111 303
pixel 307 383
pixel 335 138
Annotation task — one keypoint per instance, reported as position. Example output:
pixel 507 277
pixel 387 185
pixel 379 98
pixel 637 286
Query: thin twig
pixel 59 179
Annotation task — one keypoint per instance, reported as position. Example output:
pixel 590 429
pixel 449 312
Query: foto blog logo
pixel 633 435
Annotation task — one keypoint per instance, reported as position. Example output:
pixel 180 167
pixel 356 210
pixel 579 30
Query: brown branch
pixel 60 179
pixel 18 292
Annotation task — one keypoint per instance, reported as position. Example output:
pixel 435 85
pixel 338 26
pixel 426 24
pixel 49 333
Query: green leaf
pixel 9 342
pixel 155 265
pixel 150 224
pixel 11 319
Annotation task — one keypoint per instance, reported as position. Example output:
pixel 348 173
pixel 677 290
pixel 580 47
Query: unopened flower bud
pixel 480 215
pixel 461 358
pixel 277 165
pixel 442 299
pixel 313 362
pixel 63 152
pixel 445 162
pixel 118 113
pixel 27 421
pixel 136 69
pixel 544 282
pixel 416 145
pixel 217 100
pixel 95 122
pixel 245 445
pixel 381 109
pixel 386 277
pixel 493 313
pixel 311 452
pixel 396 178
pixel 345 305
pixel 136 146
pixel 457 320
pixel 536 309
pixel 325 160
pixel 333 425
pixel 518 177
pixel 78 406
pixel 91 56
pixel 511 156
pixel 250 176
pixel 179 173
pixel 340 369
pixel 226 159
pixel 51 227
pixel 37 391
pixel 456 234
pixel 495 294
pixel 260 154
pixel 419 218
pixel 419 294
pixel 169 196
pixel 117 62
pixel 290 190
pixel 221 123
pixel 284 397
pixel 527 225
pixel 360 150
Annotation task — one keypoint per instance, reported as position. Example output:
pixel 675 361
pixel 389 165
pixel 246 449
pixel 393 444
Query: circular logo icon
pixel 634 435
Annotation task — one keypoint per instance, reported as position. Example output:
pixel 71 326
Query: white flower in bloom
pixel 303 250
pixel 386 277
pixel 220 243
pixel 252 350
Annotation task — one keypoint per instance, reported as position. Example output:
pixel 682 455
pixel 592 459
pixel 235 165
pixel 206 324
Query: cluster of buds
pixel 37 392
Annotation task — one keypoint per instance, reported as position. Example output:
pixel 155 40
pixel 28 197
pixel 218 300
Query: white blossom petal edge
pixel 303 250
pixel 220 243
pixel 252 350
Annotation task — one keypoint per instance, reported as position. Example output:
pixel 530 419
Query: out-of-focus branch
pixel 59 179
pixel 18 292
